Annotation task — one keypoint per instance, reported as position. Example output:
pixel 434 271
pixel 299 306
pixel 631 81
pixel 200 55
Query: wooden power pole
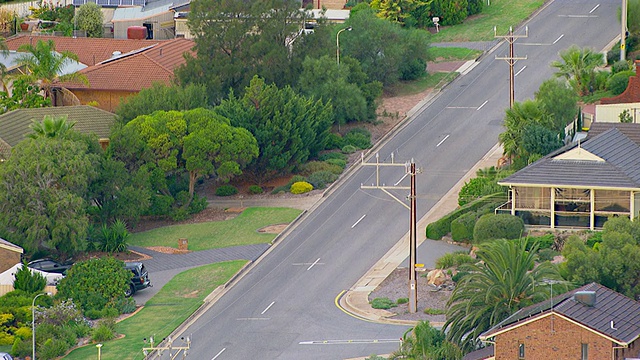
pixel 410 169
pixel 511 59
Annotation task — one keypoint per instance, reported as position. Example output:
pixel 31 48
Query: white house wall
pixel 611 112
pixel 163 26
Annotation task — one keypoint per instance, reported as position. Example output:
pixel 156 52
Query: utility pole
pixel 410 169
pixel 511 59
pixel 623 32
pixel 158 350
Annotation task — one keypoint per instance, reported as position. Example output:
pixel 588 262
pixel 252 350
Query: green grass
pixel 241 230
pixel 175 302
pixel 5 348
pixel 430 81
pixel 439 54
pixel 501 13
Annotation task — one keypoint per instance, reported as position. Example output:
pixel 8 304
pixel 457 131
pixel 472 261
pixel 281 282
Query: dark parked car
pixel 49 265
pixel 140 279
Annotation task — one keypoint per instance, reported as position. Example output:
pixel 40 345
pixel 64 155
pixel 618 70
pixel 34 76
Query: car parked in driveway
pixel 140 278
pixel 49 265
pixel 5 356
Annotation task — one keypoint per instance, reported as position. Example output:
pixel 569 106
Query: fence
pixel 22 9
pixel 9 288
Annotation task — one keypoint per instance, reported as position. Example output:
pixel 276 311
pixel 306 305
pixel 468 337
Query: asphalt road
pixel 284 308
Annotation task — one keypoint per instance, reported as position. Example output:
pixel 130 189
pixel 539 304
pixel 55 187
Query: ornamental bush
pixel 349 149
pixel 255 189
pixel 498 226
pixel 618 82
pixel 359 138
pixel 462 227
pixel 332 155
pixel 301 187
pixel 338 162
pixel 28 281
pixel 226 190
pixel 320 179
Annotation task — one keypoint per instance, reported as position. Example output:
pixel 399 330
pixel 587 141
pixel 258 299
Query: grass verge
pixel 241 230
pixel 430 81
pixel 174 303
pixel 501 13
pixel 440 54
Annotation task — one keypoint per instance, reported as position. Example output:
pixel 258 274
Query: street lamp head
pixel 349 28
pixel 98 346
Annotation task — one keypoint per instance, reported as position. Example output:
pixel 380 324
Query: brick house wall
pixel 540 342
pixel 8 258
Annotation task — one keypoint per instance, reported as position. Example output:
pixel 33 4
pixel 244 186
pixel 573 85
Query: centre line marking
pixel 356 223
pixel 524 67
pixel 594 8
pixel 310 266
pixel 270 305
pixel 441 141
pixel 558 39
pixel 402 178
pixel 218 354
pixel 483 104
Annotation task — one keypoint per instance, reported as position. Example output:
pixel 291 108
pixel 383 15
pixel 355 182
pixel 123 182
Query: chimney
pixel 585 297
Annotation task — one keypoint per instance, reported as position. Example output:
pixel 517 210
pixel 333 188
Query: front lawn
pixel 241 230
pixel 170 307
pixel 440 54
pixel 501 13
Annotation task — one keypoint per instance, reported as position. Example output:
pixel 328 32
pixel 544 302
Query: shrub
pixel 320 179
pixel 52 348
pixel 474 7
pixel 547 254
pixel 462 227
pixel 402 301
pixel 445 261
pixel 477 188
pixel 456 278
pixel 280 189
pixel 226 190
pixel 103 332
pixel 161 205
pixel 29 282
pixel 21 348
pixel 332 155
pixel 359 138
pixel 545 241
pixel 349 149
pixel 382 303
pixel 126 305
pixel 498 226
pixel 338 162
pixel 432 311
pixel 6 339
pixel 301 187
pixel 334 141
pixel 255 189
pixel 595 238
pixel 461 257
pixel 295 179
pixel 315 166
pixel 412 69
pixel 198 204
pixel 618 82
pixel 113 238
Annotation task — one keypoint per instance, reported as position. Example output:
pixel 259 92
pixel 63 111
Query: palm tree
pixel 504 280
pixel 516 120
pixel 51 127
pixel 424 342
pixel 44 65
pixel 579 66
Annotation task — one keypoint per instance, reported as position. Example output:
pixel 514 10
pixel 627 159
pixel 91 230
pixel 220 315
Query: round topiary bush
pixel 255 189
pixel 226 190
pixel 349 149
pixel 301 187
pixel 320 179
pixel 462 227
pixel 498 226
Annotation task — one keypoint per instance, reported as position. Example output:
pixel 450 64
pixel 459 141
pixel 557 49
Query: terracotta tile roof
pixel 136 71
pixel 90 51
pixel 14 125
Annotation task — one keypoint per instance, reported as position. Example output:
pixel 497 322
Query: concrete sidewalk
pixel 356 299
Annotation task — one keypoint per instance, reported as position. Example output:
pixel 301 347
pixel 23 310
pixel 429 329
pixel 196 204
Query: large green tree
pixel 44 65
pixel 382 47
pixel 289 128
pixel 558 100
pixel 516 121
pixel 614 263
pixel 162 97
pixel 578 65
pixel 349 94
pixel 505 279
pixel 198 142
pixel 237 39
pixel 43 188
pixel 89 18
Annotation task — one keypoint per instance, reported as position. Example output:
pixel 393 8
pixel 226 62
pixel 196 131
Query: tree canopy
pixel 579 65
pixel 89 18
pixel 289 128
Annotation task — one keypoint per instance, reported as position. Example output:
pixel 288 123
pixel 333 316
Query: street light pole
pixel 623 31
pixel 99 346
pixel 338 43
pixel 33 325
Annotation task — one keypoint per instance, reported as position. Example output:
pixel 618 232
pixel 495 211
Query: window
pixel 585 352
pixel 521 351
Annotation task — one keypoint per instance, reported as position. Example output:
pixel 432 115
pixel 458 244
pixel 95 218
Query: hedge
pixel 436 230
pixel 462 227
pixel 498 226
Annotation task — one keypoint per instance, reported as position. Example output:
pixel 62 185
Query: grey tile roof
pixel 14 125
pixel 481 354
pixel 631 130
pixel 610 306
pixel 620 169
